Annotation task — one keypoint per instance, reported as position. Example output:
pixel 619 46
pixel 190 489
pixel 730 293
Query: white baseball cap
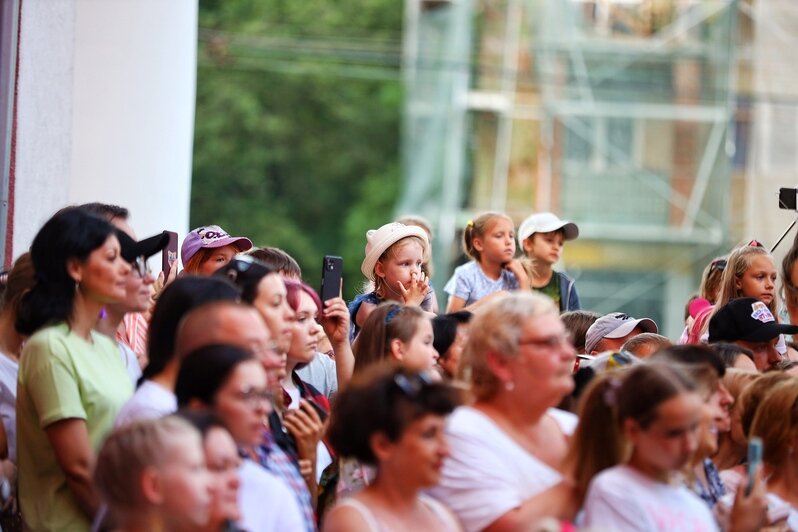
pixel 546 222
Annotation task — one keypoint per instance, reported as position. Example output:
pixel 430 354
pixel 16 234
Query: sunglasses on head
pixel 241 264
pixel 717 265
pixel 412 385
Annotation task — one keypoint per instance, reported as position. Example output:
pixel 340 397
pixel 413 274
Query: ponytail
pixel 635 393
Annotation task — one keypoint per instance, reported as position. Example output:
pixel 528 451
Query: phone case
pixel 332 268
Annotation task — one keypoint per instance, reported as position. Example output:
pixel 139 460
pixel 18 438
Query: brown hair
pixel 776 422
pixel 711 278
pixel 477 228
pixel 753 395
pixel 278 260
pixel 203 254
pixel 379 283
pixel 577 322
pixel 128 451
pixel 21 278
pixel 496 328
pixel 387 322
pixel 634 393
pixel 731 453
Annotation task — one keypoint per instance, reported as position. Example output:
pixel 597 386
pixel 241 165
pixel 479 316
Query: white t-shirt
pixel 320 373
pixel 488 473
pixel 621 498
pixel 266 502
pixel 8 402
pixel 131 362
pixel 150 401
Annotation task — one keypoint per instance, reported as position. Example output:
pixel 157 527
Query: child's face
pixel 418 353
pixel 759 280
pixel 545 247
pixel 402 265
pixel 497 245
pixel 669 442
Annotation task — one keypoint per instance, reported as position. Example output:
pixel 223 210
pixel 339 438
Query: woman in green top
pixel 72 380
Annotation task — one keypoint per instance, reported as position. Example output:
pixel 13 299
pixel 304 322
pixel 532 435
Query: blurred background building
pixel 663 128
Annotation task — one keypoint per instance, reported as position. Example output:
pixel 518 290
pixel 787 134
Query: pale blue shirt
pixel 471 284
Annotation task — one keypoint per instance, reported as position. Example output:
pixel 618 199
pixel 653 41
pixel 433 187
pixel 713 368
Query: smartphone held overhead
pixel 332 269
pixel 169 254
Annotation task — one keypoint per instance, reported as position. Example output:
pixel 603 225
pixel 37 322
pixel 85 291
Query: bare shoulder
pixel 345 518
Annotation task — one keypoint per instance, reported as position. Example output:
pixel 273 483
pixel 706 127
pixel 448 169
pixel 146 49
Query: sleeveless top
pixel 443 515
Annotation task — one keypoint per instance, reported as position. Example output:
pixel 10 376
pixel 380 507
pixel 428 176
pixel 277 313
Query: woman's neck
pixel 109 325
pixel 84 316
pixel 504 408
pixel 392 488
pixel 10 339
pixel 288 380
pixel 491 269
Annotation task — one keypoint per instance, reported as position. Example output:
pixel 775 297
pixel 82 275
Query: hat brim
pixel 646 324
pixel 570 231
pixel 226 241
pixel 131 250
pixel 769 331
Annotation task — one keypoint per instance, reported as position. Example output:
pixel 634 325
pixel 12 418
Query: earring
pixel 509 386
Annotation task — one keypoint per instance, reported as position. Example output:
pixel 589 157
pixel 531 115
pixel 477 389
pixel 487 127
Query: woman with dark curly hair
pixel 393 418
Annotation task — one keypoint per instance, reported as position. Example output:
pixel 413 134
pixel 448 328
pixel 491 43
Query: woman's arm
pixel 69 439
pixel 335 320
pixel 559 501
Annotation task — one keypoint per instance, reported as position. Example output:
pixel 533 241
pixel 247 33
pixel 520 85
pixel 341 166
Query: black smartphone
pixel 788 198
pixel 169 254
pixel 332 269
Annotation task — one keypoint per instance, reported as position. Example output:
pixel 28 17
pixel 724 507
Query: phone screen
pixel 754 459
pixel 169 254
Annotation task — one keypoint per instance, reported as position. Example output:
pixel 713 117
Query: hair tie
pixel 392 314
pixel 470 223
pixel 610 395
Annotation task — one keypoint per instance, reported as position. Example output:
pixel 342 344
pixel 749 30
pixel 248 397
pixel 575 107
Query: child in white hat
pixel 394 255
pixel 542 237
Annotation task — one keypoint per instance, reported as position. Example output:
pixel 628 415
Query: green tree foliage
pixel 297 124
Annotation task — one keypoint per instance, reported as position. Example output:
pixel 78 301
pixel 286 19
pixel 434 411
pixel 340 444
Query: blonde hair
pixel 738 263
pixel 420 221
pixel 477 228
pixel 776 422
pixel 128 451
pixel 496 329
pixel 380 286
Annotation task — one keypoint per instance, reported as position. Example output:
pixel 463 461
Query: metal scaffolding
pixel 617 114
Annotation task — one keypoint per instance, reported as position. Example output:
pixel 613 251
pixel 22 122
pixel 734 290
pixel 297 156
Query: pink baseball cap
pixel 210 236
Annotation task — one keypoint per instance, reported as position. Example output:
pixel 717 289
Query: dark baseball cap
pixel 747 319
pixel 132 250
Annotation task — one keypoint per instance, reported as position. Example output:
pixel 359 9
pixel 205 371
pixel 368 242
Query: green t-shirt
pixel 62 376
pixel 552 289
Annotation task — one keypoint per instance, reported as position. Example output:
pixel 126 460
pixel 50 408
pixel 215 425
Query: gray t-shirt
pixel 471 284
pixel 320 372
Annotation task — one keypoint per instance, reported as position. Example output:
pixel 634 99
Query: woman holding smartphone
pixel 72 381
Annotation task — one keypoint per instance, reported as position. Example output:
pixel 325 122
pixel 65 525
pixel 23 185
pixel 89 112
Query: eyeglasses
pixel 550 342
pixel 140 267
pixel 717 265
pixel 254 397
pixel 412 385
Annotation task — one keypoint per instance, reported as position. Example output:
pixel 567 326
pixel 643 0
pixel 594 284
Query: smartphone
pixel 169 254
pixel 332 269
pixel 788 199
pixel 754 459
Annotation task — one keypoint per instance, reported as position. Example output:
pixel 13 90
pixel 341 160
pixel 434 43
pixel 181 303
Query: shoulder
pixel 566 421
pixel 350 515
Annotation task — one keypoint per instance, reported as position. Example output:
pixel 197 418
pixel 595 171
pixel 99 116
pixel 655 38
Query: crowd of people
pixel 230 397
